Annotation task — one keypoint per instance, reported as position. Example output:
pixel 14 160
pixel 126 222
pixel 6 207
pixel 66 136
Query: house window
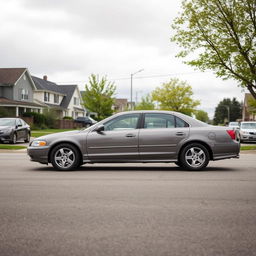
pixel 24 94
pixel 46 96
pixel 76 101
pixel 56 98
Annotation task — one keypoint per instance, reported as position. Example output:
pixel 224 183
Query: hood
pixel 60 134
pixel 5 127
pixel 248 130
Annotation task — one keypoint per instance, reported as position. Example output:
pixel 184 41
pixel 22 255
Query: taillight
pixel 232 134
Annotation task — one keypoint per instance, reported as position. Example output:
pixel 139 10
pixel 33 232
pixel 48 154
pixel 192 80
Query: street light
pixel 228 109
pixel 131 107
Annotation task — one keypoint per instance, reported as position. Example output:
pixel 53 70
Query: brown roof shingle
pixel 10 75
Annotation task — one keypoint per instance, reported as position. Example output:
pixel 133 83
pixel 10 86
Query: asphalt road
pixel 136 209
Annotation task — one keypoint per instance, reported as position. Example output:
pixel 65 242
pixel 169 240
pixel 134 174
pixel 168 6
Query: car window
pixel 156 121
pixel 18 122
pixel 180 122
pixel 127 122
pixel 248 126
pixel 7 122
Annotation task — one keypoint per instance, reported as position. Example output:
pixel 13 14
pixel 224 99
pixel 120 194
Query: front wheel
pixel 194 157
pixel 14 138
pixel 65 157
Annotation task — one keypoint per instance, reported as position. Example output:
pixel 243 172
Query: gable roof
pixel 10 76
pixel 69 91
pixel 46 85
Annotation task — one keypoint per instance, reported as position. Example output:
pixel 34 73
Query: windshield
pixel 248 126
pixel 7 122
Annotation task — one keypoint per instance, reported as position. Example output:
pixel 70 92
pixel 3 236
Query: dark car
pixel 85 120
pixel 138 136
pixel 13 129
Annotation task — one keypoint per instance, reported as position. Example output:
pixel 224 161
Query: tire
pixel 14 138
pixel 65 157
pixel 194 157
pixel 27 139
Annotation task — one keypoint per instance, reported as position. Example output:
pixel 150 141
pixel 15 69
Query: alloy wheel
pixel 195 157
pixel 64 158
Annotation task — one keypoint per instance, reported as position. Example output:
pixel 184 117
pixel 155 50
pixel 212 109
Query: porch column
pixel 17 111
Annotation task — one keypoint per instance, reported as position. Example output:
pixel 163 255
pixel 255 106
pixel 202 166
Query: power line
pixel 139 77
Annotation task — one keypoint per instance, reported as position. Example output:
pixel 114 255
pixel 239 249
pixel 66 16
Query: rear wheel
pixel 65 157
pixel 194 157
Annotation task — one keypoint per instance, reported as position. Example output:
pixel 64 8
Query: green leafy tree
pixel 98 96
pixel 146 103
pixel 252 105
pixel 202 116
pixel 222 36
pixel 227 109
pixel 175 95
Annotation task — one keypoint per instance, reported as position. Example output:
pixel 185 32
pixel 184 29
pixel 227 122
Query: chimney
pixel 45 77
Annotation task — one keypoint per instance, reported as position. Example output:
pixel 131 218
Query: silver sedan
pixel 138 136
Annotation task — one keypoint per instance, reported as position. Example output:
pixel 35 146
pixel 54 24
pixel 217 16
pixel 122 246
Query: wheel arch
pixel 207 146
pixel 65 142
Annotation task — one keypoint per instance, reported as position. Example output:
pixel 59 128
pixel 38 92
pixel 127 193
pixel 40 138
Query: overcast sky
pixel 68 40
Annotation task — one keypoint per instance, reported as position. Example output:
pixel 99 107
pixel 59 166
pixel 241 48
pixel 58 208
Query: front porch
pixel 14 108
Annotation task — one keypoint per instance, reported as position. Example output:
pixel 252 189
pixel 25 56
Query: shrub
pixel 67 118
pixel 39 119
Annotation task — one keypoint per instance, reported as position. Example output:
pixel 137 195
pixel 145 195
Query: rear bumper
pixel 39 155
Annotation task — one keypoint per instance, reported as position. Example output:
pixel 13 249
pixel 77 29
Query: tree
pixel 222 34
pixel 146 103
pixel 98 96
pixel 227 109
pixel 202 116
pixel 175 95
pixel 252 105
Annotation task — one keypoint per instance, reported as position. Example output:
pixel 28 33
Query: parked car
pixel 85 120
pixel 138 136
pixel 13 129
pixel 234 125
pixel 247 131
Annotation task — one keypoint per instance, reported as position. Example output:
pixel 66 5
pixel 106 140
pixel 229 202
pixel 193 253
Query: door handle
pixel 180 133
pixel 130 135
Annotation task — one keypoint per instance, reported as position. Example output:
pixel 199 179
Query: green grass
pixel 39 133
pixel 14 147
pixel 249 147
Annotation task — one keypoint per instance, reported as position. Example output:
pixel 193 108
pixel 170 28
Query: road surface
pixel 128 209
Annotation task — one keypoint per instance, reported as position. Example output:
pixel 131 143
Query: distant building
pixel 247 109
pixel 120 105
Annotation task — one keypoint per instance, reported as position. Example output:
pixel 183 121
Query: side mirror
pixel 99 128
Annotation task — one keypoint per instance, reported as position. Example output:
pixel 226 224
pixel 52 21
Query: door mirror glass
pixel 99 128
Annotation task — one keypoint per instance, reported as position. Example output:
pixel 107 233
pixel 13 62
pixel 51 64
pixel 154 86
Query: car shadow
pixel 93 168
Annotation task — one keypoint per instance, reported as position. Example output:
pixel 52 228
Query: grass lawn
pixel 249 147
pixel 39 133
pixel 3 146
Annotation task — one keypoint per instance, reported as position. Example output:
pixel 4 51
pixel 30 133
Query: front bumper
pixel 5 137
pixel 248 137
pixel 38 154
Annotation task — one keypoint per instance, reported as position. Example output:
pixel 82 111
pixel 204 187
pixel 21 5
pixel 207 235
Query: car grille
pixel 1 132
pixel 253 133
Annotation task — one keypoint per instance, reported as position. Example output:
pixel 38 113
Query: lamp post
pixel 131 106
pixel 228 109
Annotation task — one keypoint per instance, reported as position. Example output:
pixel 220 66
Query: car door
pixel 160 135
pixel 19 129
pixel 118 141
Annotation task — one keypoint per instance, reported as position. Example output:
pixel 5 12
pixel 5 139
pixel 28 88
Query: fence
pixel 67 124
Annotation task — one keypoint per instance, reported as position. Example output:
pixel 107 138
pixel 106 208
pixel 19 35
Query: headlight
pixel 38 143
pixel 244 133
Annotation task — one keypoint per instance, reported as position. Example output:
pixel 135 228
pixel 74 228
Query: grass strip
pixel 13 147
pixel 248 147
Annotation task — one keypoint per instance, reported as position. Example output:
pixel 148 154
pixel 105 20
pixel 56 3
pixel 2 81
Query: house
pixel 66 100
pixel 120 105
pixel 17 91
pixel 20 92
pixel 249 113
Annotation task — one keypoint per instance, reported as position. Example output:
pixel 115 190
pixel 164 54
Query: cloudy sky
pixel 68 40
